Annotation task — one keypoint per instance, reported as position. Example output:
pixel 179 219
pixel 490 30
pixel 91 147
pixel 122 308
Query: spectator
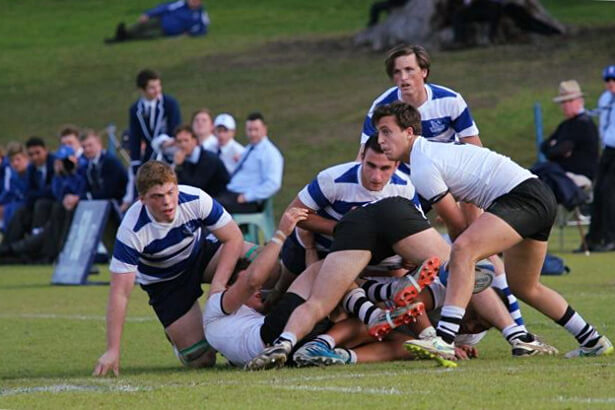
pixel 574 144
pixel 228 150
pixel 196 166
pixel 105 176
pixel 258 175
pixel 15 182
pixel 106 179
pixel 601 235
pixel 153 114
pixel 203 128
pixel 68 186
pixel 69 136
pixel 166 19
pixel 4 164
pixel 31 217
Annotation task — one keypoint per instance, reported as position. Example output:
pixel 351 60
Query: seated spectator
pixel 68 186
pixel 31 217
pixel 574 144
pixel 228 149
pixel 15 182
pixel 203 128
pixel 167 19
pixel 69 136
pixel 196 166
pixel 258 175
pixel 105 178
pixel 572 150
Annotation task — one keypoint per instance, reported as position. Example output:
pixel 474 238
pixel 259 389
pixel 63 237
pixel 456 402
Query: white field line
pixel 62 388
pixel 294 383
pixel 586 400
pixel 71 317
pixel 353 390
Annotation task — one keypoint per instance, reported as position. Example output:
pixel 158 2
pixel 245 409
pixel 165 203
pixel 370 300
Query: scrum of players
pixel 355 273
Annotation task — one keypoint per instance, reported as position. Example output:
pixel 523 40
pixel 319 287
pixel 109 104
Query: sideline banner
pixel 75 260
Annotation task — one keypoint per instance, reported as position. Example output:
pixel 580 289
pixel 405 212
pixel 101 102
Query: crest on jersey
pixel 437 126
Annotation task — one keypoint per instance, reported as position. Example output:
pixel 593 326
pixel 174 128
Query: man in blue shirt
pixel 258 175
pixel 166 19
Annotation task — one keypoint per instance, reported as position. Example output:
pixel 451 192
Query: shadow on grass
pixel 81 373
pixel 26 286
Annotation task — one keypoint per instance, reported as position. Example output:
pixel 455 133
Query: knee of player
pixel 463 248
pixel 524 290
pixel 316 310
pixel 199 355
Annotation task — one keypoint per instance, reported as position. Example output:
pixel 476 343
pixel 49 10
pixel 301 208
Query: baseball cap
pixel 225 120
pixel 608 72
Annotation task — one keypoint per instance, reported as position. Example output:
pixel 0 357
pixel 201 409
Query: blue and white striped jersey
pixel 158 251
pixel 338 189
pixel 445 116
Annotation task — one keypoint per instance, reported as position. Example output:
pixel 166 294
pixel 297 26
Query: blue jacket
pixel 168 117
pixel 36 190
pixel 15 187
pixel 177 18
pixel 73 183
pixel 106 179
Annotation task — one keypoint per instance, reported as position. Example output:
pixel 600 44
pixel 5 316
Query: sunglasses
pixel 606 80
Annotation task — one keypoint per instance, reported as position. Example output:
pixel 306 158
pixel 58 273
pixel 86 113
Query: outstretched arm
pixel 313 222
pixel 232 245
pixel 257 273
pixel 121 286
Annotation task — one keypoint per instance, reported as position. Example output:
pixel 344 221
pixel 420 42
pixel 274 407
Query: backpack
pixel 554 265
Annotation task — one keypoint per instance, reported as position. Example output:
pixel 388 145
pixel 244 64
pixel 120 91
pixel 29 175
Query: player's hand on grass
pixel 108 361
pixel 465 352
pixel 290 219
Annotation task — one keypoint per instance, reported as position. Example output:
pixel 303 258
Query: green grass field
pixel 292 60
pixel 52 336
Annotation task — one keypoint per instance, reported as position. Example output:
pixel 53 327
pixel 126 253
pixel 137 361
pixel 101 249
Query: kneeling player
pixel 161 243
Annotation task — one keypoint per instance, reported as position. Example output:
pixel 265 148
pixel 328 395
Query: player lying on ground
pixel 233 319
pixel 519 213
pixel 360 347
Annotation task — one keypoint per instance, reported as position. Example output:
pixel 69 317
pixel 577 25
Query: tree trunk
pixel 430 23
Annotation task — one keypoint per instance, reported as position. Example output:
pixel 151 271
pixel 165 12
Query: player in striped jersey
pixel 337 190
pixel 162 243
pixel 445 115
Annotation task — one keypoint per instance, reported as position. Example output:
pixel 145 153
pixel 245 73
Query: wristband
pixel 281 234
pixel 276 240
pixel 250 252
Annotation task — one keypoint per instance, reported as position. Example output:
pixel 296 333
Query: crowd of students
pixel 40 189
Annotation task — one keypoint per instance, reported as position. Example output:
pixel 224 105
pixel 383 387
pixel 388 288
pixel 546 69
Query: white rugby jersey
pixel 445 116
pixel 238 335
pixel 338 189
pixel 162 251
pixel 470 173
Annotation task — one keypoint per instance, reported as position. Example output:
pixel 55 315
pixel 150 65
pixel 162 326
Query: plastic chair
pixel 262 221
